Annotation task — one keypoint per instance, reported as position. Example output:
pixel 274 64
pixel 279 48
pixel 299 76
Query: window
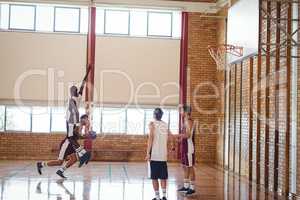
pixel 18 118
pixel 99 21
pixel 138 23
pixel 4 16
pixel 176 26
pixel 84 20
pixel 116 22
pixel 97 119
pixel 67 19
pixel 41 119
pixel 58 122
pixel 174 121
pixel 113 120
pixel 135 121
pixel 2 116
pixel 148 119
pixel 44 18
pixel 22 17
pixel 160 24
pixel 165 116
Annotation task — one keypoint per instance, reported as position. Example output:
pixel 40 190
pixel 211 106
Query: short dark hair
pixel 158 113
pixel 84 116
pixel 187 109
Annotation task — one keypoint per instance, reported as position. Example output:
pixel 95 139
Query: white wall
pixel 149 64
pixel 21 54
pixel 61 58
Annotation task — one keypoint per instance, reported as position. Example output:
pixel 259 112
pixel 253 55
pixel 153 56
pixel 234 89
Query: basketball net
pixel 219 54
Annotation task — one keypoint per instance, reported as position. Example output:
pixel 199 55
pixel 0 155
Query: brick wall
pixel 202 81
pixel 45 146
pixel 35 146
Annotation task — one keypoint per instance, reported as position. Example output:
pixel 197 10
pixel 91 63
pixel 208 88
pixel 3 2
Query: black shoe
pixel 89 158
pixel 190 192
pixel 39 167
pixel 60 173
pixel 183 189
pixel 84 159
pixel 164 198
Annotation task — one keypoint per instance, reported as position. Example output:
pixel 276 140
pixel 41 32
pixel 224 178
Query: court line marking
pixel 125 172
pixel 109 172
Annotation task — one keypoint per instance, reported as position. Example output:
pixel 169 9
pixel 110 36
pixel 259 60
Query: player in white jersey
pixel 157 153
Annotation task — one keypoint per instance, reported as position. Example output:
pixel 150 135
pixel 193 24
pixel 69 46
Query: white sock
pixel 80 151
pixel 63 168
pixel 44 164
pixel 157 195
pixel 186 183
pixel 164 191
pixel 192 186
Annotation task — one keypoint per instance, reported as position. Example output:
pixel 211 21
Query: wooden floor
pixel 115 181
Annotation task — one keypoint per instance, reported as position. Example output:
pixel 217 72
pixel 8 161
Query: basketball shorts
pixel 188 160
pixel 66 149
pixel 158 170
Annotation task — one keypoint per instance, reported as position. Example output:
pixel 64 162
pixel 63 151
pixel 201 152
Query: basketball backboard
pixel 243 25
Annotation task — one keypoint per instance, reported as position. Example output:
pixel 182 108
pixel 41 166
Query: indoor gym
pixel 224 73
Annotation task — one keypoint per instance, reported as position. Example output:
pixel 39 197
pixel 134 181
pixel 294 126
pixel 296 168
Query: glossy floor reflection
pixel 116 181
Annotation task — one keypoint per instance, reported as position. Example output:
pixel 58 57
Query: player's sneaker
pixel 164 198
pixel 88 159
pixel 190 192
pixel 84 159
pixel 39 167
pixel 183 189
pixel 60 173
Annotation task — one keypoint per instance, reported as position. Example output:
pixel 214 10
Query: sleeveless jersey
pixel 159 151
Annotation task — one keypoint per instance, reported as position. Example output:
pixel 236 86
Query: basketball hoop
pixel 218 53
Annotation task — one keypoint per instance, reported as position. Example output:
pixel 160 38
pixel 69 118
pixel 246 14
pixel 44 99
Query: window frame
pixel 160 12
pixel 21 29
pixel 116 34
pixel 79 19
